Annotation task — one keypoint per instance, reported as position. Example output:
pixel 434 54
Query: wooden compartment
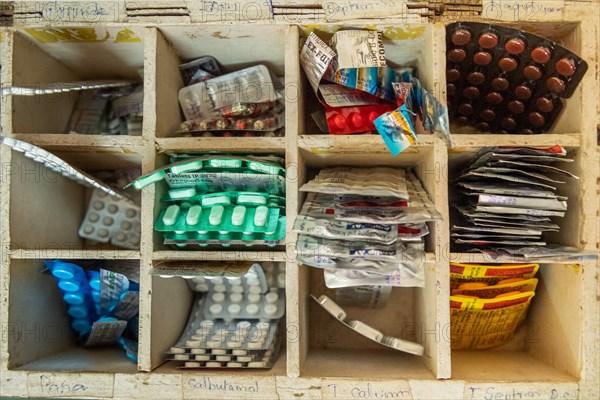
pixel 328 348
pixel 235 47
pixel 161 189
pixel 570 233
pixel 39 334
pixel 54 204
pixel 567 35
pixel 560 362
pixel 43 56
pixel 172 300
pixel 406 45
pixel 547 346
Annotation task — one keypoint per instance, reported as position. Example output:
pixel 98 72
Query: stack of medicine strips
pixel 361 93
pixel 488 303
pixel 507 201
pixel 221 200
pixel 114 109
pixel 370 232
pixel 103 305
pixel 235 320
pixel 242 103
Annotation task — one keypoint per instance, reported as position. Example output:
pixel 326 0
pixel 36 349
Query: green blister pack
pixel 211 163
pixel 227 181
pixel 228 239
pixel 218 218
pixel 190 195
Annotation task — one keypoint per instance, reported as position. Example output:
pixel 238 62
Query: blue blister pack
pixel 74 286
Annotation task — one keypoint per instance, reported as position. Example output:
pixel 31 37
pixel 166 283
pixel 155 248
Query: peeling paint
pixel 126 36
pixel 54 35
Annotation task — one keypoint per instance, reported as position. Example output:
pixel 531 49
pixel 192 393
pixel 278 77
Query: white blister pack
pixel 368 331
pixel 112 219
pixel 235 321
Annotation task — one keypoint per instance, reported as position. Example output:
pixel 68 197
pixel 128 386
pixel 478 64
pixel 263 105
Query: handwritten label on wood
pixel 523 10
pixel 69 385
pixel 228 387
pixel 521 391
pixel 348 389
pixel 341 10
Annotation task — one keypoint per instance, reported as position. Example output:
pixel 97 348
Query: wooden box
pixel 554 354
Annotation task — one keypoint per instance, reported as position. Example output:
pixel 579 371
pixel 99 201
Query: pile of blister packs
pixel 221 200
pixel 245 103
pixel 103 305
pixel 361 93
pixel 235 321
pixel 370 232
pixel 508 200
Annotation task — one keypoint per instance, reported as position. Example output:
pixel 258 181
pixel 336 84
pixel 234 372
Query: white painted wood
pixel 562 361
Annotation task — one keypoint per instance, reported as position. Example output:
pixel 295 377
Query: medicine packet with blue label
pixel 100 303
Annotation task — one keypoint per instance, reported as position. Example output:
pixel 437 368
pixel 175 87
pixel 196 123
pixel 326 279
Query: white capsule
pixel 181 357
pixel 218 352
pixel 235 297
pixel 252 309
pixel 223 358
pixel 212 344
pixel 218 297
pixel 234 344
pixel 177 350
pixel 199 279
pixel 272 297
pixel 192 343
pixel 192 364
pixel 270 309
pixel 198 351
pixel 235 365
pixel 215 309
pixel 257 364
pixel 202 357
pixel 237 289
pixel 238 352
pixel 234 309
pixel 217 280
pixel 219 288
pixel 254 290
pixel 254 298
pixel 202 287
pixel 234 280
pixel 256 345
pixel 213 364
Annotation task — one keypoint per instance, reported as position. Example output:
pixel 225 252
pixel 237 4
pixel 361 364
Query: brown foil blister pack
pixel 504 80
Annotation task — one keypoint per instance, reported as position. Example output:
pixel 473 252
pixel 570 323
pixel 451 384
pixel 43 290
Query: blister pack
pixel 100 303
pixel 202 182
pixel 210 334
pixel 111 219
pixel 73 284
pixel 382 258
pixel 354 119
pixel 251 85
pixel 333 229
pixel 406 275
pixel 506 80
pixel 247 220
pixel 231 324
pixel 418 209
pixel 212 164
pixel 265 122
pixel 363 329
pixel 377 181
pixel 199 70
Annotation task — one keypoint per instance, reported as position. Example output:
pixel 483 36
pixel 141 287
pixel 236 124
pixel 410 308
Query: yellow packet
pixel 484 323
pixel 490 274
pixel 489 292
